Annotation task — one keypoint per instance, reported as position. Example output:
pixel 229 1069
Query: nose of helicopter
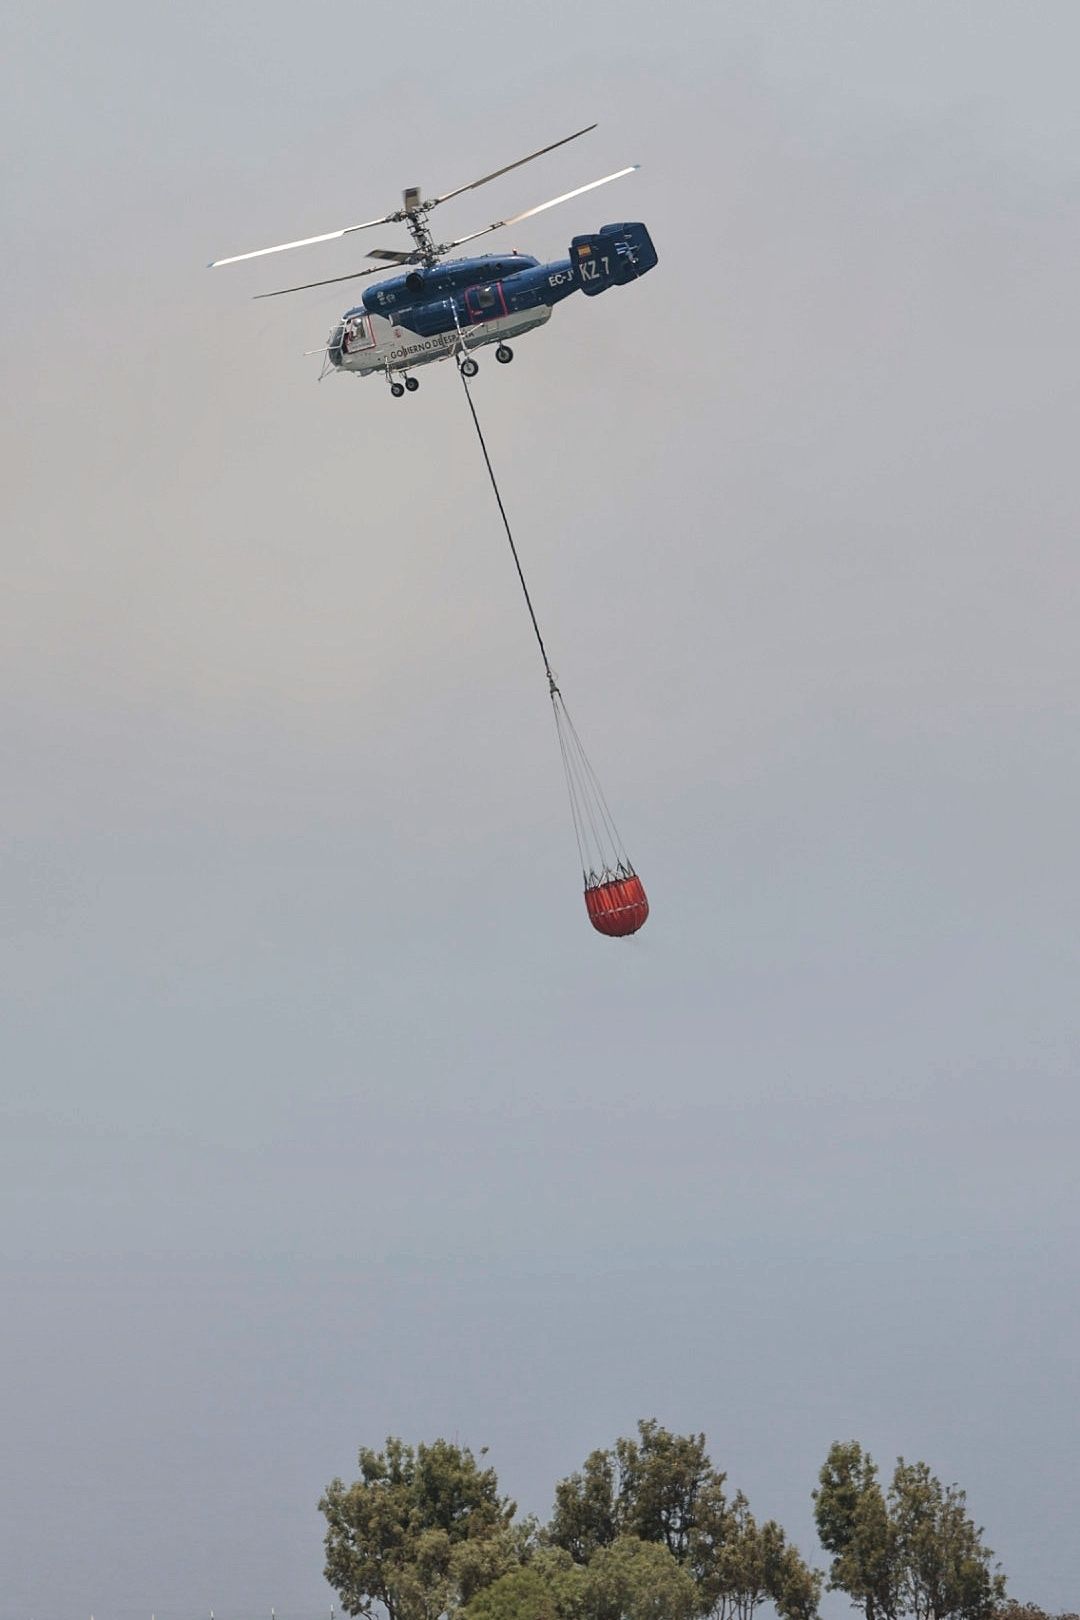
pixel 333 344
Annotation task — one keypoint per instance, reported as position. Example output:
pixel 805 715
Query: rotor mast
pixel 414 218
pixel 416 225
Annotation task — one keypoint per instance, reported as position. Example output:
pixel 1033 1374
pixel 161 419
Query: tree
pixel 627 1579
pixel 914 1554
pixel 537 1591
pixel 670 1493
pixel 756 1564
pixel 853 1523
pixel 475 1564
pixel 793 1586
pixel 944 1568
pixel 636 1580
pixel 661 1489
pixel 418 1531
pixel 585 1515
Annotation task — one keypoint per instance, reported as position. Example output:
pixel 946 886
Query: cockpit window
pixel 485 298
pixel 356 335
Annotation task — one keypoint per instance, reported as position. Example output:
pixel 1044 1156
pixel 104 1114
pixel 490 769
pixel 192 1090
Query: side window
pixel 485 298
pixel 356 334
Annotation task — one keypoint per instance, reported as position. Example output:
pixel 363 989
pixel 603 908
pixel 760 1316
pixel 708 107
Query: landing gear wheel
pixel 469 367
pixel 412 384
pixel 397 390
pixel 504 354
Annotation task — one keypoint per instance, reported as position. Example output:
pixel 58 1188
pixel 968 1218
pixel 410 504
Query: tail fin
pixel 616 255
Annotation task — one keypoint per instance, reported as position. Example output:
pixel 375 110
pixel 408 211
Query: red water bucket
pixel 617 907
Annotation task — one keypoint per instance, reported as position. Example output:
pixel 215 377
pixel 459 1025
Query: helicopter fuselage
pixel 433 313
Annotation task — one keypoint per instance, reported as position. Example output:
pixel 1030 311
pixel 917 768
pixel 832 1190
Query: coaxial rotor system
pixel 414 214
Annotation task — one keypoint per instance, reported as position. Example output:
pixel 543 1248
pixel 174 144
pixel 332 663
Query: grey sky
pixel 325 1113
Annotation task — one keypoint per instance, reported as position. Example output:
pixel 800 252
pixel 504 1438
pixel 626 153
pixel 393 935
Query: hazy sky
pixel 325 1113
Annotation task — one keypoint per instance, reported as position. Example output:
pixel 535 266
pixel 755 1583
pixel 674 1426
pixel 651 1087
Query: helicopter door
pixel 485 303
pixel 357 335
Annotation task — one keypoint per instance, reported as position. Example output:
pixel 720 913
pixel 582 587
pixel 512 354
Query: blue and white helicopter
pixel 442 311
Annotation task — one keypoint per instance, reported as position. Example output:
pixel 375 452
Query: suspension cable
pixel 601 850
pixel 553 688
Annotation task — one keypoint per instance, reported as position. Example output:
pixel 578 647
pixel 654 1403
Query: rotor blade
pixel 306 241
pixel 375 270
pixel 539 209
pixel 391 255
pixel 495 173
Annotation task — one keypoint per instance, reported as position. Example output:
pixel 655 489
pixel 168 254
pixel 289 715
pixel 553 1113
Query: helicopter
pixel 438 308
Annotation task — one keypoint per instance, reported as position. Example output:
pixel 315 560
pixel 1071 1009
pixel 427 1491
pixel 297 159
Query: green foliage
pixel 585 1515
pixel 530 1593
pixel 661 1490
pixel 659 1487
pixel 670 1493
pixel 756 1564
pixel 628 1579
pixel 944 1567
pixel 646 1531
pixel 853 1523
pixel 416 1528
pixel 914 1554
pixel 522 1594
pixel 636 1580
pixel 481 1560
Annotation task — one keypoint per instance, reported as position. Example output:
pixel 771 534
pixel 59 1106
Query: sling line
pixel 614 896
